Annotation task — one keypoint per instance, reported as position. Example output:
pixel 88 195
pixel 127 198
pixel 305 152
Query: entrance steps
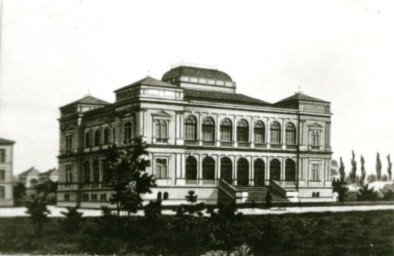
pixel 257 194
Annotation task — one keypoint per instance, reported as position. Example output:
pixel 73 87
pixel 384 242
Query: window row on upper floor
pixel 241 129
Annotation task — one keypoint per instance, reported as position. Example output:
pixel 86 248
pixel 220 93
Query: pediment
pixel 315 125
pixel 161 114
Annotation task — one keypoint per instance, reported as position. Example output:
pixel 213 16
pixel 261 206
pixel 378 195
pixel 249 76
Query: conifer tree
pixel 378 167
pixel 342 173
pixel 353 171
pixel 389 166
pixel 363 172
pixel 128 177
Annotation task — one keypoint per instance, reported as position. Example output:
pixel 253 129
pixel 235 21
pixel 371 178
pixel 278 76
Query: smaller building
pixel 51 174
pixel 6 170
pixel 29 177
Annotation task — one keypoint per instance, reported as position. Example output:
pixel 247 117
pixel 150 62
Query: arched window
pixel 97 138
pixel 259 170
pixel 106 134
pixel 243 131
pixel 87 139
pixel 208 168
pixel 243 172
pixel 159 196
pixel 161 168
pixel 275 133
pixel 106 171
pixel 127 133
pixel 191 129
pixel 275 169
pixel 259 133
pixel 290 173
pixel 96 171
pixel 86 172
pixel 226 169
pixel 165 196
pixel 208 130
pixel 161 132
pixel 226 131
pixel 191 168
pixel 315 138
pixel 290 134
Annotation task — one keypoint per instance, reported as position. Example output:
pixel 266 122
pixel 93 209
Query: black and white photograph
pixel 213 128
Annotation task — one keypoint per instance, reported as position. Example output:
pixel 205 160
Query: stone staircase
pixel 258 193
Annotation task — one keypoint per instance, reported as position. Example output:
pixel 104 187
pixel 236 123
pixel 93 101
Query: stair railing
pixel 275 187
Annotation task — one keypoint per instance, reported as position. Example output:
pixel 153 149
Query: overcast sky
pixel 55 51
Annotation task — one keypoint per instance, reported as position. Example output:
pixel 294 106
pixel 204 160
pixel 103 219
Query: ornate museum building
pixel 202 136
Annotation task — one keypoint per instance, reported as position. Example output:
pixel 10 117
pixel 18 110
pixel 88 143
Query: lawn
pixel 345 233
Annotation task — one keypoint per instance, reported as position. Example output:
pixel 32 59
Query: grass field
pixel 346 233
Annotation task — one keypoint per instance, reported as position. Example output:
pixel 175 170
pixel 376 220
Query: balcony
pixel 191 142
pixel 276 146
pixel 314 148
pixel 226 143
pixel 243 144
pixel 291 146
pixel 208 143
pixel 260 145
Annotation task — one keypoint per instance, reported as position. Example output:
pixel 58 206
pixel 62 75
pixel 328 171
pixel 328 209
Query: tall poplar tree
pixel 378 167
pixel 353 172
pixel 389 166
pixel 342 173
pixel 363 172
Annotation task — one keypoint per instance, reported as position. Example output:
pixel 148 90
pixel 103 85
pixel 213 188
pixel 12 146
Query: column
pixel 282 168
pixel 235 142
pixel 251 133
pixel 217 130
pixel 267 133
pixel 218 167
pixel 235 176
pixel 199 170
pixel 199 128
pixel 267 170
pixel 283 134
pixel 251 173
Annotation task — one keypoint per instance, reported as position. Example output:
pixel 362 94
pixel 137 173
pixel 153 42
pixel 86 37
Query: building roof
pixel 148 81
pixel 88 100
pixel 6 142
pixel 301 97
pixel 214 96
pixel 49 172
pixel 196 72
pixel 32 170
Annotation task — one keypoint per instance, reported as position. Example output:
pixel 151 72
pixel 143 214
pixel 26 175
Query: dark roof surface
pixel 25 173
pixel 49 172
pixel 88 100
pixel 148 81
pixel 196 72
pixel 300 96
pixel 222 97
pixel 7 142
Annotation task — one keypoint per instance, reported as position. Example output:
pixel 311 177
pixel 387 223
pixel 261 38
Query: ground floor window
pixel 2 192
pixel 67 197
pixel 191 168
pixel 259 170
pixel 103 197
pixel 161 169
pixel 275 169
pixel 243 172
pixel 315 172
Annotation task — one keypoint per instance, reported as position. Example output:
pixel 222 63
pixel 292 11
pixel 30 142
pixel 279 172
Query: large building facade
pixel 202 136
pixel 6 172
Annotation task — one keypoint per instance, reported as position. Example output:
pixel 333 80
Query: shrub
pixel 73 220
pixel 37 209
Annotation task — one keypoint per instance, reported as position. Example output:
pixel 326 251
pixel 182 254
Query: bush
pixel 73 220
pixel 37 209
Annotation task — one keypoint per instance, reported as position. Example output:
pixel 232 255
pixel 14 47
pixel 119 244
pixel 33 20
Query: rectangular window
pixel 85 197
pixel 161 132
pixel 315 172
pixel 103 197
pixel 67 197
pixel 69 174
pixel 2 155
pixel 2 175
pixel 2 192
pixel 208 133
pixel 69 140
pixel 94 197
pixel 161 169
pixel 190 132
pixel 259 135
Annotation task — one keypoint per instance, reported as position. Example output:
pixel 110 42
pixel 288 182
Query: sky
pixel 56 51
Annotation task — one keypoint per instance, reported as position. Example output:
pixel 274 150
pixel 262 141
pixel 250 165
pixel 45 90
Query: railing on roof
pixel 194 65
